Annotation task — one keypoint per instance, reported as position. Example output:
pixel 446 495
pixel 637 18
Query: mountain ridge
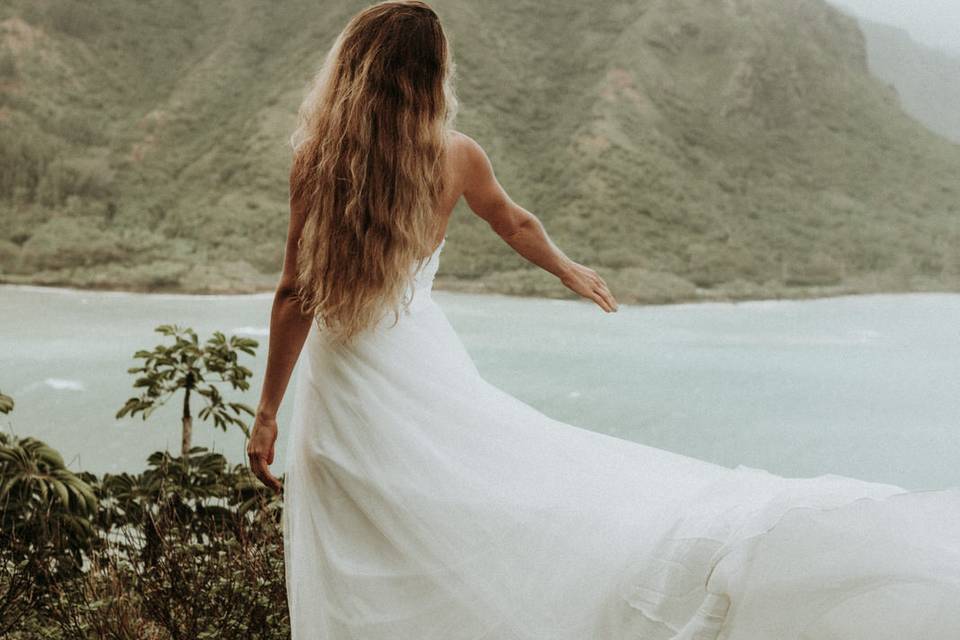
pixel 687 150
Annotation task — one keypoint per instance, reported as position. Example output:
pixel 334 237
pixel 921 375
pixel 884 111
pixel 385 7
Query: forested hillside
pixel 688 149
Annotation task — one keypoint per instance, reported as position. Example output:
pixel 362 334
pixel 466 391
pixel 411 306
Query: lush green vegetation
pixel 688 150
pixel 190 548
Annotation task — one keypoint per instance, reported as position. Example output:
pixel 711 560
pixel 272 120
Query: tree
pixel 194 368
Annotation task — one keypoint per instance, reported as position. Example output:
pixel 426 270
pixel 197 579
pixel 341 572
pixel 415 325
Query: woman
pixel 422 503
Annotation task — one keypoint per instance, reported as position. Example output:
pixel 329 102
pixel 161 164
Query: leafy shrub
pixel 190 548
pixel 45 526
pixel 194 550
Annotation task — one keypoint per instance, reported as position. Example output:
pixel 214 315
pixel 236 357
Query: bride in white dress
pixel 423 503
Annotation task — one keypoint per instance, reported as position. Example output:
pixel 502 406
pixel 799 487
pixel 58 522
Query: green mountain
pixel 687 149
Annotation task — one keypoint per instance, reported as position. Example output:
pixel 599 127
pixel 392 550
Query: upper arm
pixel 298 216
pixel 484 194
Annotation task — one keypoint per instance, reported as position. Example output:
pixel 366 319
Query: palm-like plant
pixel 201 486
pixel 6 403
pixel 45 523
pixel 195 368
pixel 180 500
pixel 40 499
pixel 46 526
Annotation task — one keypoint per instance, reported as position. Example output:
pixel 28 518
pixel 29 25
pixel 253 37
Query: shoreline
pixel 448 285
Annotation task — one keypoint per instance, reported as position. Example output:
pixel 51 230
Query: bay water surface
pixel 864 386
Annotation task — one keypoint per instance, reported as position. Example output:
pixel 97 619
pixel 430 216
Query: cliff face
pixel 687 148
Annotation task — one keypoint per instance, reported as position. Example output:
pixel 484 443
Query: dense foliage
pixel 191 548
pixel 687 149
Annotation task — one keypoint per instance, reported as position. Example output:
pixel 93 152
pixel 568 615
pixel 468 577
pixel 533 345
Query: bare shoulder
pixel 465 149
pixel 462 141
pixel 477 183
pixel 469 160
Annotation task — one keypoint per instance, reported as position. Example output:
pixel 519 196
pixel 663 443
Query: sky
pixel 935 23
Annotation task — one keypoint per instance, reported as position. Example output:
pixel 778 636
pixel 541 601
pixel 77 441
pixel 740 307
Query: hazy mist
pixel 933 22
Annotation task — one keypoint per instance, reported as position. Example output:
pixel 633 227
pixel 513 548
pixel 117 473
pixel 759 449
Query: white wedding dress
pixel 423 503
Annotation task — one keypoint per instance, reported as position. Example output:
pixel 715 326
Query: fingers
pixel 587 283
pixel 258 465
pixel 608 297
pixel 601 301
pixel 594 293
pixel 261 449
pixel 600 294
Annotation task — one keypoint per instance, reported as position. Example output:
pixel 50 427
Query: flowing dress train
pixel 423 503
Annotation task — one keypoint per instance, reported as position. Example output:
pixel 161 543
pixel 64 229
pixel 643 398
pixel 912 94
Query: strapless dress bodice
pixel 423 276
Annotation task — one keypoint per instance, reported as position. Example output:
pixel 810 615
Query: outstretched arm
pixel 288 332
pixel 523 231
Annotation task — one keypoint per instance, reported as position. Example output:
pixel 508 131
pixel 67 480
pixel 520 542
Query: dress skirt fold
pixel 423 503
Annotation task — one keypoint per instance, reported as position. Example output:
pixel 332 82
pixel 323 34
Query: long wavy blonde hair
pixel 367 164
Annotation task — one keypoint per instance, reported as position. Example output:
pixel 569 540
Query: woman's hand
pixel 260 450
pixel 586 283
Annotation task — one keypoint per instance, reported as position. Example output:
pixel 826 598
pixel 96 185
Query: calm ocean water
pixel 865 386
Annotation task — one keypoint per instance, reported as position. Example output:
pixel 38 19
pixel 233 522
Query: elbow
pixel 285 296
pixel 286 290
pixel 287 299
pixel 517 226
